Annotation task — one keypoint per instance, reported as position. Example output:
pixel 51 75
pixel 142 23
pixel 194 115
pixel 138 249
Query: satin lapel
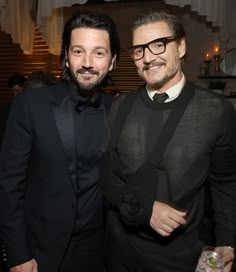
pixel 65 124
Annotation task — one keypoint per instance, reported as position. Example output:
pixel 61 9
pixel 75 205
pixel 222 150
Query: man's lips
pixel 88 71
pixel 153 66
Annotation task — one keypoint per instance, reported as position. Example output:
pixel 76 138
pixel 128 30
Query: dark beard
pixel 89 89
pixel 159 84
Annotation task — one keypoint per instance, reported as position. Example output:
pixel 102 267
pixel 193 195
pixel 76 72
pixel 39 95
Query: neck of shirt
pixel 172 92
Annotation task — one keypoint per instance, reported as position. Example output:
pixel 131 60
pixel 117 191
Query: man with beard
pixel 52 213
pixel 159 155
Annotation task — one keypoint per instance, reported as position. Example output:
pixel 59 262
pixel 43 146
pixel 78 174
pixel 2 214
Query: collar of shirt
pixel 173 92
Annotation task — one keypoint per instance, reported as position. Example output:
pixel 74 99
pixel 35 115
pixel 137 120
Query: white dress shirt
pixel 173 92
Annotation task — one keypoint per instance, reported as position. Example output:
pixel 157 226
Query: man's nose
pixel 148 56
pixel 87 61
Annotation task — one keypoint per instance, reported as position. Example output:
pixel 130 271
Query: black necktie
pixel 160 97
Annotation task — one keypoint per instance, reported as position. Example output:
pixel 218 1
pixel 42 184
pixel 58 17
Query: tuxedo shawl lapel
pixel 63 115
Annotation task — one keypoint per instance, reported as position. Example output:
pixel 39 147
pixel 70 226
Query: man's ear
pixel 66 60
pixel 182 48
pixel 113 63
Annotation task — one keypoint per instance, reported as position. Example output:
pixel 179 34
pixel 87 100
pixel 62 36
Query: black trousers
pixel 85 253
pixel 3 266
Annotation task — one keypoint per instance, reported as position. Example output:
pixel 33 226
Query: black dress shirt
pixel 89 129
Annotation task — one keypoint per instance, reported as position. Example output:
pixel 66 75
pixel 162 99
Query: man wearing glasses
pixel 153 223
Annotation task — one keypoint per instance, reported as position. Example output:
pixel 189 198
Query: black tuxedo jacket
pixel 38 178
pixel 4 112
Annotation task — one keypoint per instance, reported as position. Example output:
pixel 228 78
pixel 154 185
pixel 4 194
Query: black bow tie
pixel 82 103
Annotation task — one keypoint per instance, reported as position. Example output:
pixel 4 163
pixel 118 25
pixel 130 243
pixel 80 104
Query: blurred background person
pixel 39 78
pixel 15 85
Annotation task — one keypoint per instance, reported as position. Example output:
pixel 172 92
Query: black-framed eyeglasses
pixel 156 47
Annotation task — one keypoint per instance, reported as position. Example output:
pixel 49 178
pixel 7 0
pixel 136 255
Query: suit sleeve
pixel 15 155
pixel 223 181
pixel 133 203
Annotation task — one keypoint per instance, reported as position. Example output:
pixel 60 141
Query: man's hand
pixel 165 219
pixel 227 254
pixel 30 266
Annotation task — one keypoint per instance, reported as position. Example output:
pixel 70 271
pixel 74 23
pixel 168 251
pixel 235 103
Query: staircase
pixel 41 58
pixel 10 62
pixel 13 60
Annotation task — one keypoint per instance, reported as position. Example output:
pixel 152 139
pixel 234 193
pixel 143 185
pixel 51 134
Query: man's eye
pixel 158 44
pixel 100 53
pixel 138 51
pixel 77 52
